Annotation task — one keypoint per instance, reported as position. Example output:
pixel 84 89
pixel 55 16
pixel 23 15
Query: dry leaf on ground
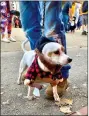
pixel 65 109
pixel 64 102
pixel 67 101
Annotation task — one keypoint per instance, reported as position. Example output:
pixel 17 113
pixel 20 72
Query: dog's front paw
pixel 57 100
pixel 18 82
pixel 56 97
pixel 26 82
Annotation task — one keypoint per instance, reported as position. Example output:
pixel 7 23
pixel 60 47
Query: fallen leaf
pixel 58 104
pixel 6 103
pixel 64 102
pixel 65 109
pixel 67 101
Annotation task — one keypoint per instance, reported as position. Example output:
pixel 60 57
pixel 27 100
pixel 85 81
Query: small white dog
pixel 53 51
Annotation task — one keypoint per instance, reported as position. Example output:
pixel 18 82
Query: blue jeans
pixel 30 13
pixel 65 21
pixel 30 19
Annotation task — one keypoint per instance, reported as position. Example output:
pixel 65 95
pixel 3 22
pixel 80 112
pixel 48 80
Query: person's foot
pixel 84 33
pixel 5 40
pixel 12 39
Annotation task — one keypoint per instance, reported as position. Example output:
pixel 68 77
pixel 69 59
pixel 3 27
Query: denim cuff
pixel 65 71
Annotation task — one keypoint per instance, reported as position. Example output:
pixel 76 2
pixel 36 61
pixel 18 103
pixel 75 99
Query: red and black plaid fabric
pixel 34 70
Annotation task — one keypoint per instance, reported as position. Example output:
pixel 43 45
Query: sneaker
pixel 5 40
pixel 12 39
pixel 84 33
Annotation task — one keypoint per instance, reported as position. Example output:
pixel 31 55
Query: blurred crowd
pixel 74 16
pixel 7 16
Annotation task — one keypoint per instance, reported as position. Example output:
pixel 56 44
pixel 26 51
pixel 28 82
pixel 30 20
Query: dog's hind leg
pixel 30 95
pixel 21 70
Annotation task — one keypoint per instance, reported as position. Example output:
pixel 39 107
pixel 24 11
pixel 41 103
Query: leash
pixel 55 36
pixel 44 4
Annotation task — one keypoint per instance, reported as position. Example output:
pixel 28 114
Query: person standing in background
pixel 77 9
pixel 79 23
pixel 6 22
pixel 67 14
pixel 73 9
pixel 85 18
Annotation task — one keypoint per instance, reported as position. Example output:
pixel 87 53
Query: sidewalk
pixel 82 112
pixel 73 40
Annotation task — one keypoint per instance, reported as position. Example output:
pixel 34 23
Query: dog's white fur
pixel 29 56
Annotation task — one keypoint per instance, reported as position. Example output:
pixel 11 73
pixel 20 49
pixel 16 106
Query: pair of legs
pixel 65 20
pixel 6 22
pixel 30 14
pixel 31 20
pixel 79 23
pixel 6 28
pixel 85 24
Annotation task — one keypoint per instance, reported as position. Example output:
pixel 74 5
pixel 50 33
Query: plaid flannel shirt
pixel 34 70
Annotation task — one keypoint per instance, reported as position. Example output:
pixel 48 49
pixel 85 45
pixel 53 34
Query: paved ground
pixel 12 93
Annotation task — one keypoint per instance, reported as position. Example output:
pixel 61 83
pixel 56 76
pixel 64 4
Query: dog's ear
pixel 48 63
pixel 41 42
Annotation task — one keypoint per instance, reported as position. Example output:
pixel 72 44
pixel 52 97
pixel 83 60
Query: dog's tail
pixel 23 45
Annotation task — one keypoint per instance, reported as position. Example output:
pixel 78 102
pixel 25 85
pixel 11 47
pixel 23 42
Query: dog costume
pixel 34 70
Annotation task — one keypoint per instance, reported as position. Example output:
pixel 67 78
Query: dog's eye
pixel 57 52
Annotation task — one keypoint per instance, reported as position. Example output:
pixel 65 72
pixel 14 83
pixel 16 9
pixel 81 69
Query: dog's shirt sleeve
pixel 32 71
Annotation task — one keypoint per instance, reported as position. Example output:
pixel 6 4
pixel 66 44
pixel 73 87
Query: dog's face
pixel 55 52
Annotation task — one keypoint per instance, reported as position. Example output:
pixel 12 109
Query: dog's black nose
pixel 69 60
